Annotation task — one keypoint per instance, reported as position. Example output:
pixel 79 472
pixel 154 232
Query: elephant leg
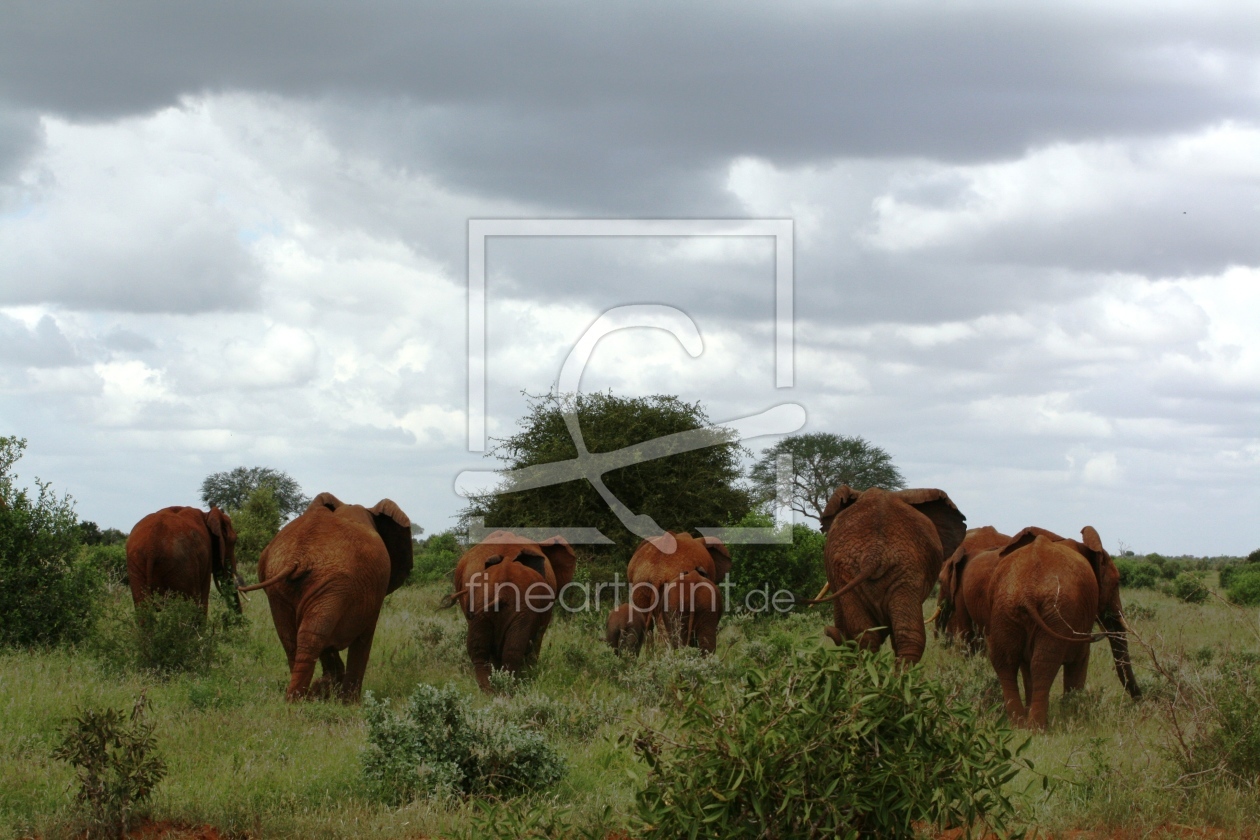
pixel 1074 673
pixel 1026 673
pixel 1046 661
pixel 356 665
pixel 285 620
pixel 1008 678
pixel 481 650
pixel 333 675
pixel 311 642
pixel 517 644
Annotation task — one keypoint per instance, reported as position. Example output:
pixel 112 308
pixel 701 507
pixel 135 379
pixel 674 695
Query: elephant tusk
pixel 933 616
pixel 823 591
pixel 861 578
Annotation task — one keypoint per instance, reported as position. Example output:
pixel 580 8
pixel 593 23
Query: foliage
pixel 1137 574
pixel 821 462
pixel 1188 587
pixel 164 635
pixel 532 709
pixel 434 558
pixel 1225 738
pixel 48 591
pixel 795 567
pixel 438 746
pixel 552 821
pixel 109 558
pixel 1244 586
pixel 674 672
pixel 231 490
pixel 679 491
pixel 256 523
pixel 91 534
pixel 1254 557
pixel 835 743
pixel 116 762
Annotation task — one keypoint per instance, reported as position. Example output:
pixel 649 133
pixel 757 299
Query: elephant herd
pixel 1030 600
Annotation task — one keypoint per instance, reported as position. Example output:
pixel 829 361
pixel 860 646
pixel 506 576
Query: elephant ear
pixel 395 530
pixel 936 505
pixel 563 560
pixel 721 557
pixel 841 499
pixel 1091 548
pixel 951 574
pixel 1023 538
pixel 324 500
pixel 216 520
pixel 536 562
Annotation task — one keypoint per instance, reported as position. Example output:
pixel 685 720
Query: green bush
pixel 163 635
pixel 110 559
pixel 834 743
pixel 1230 742
pixel 434 559
pixel 795 567
pixel 116 763
pixel 256 523
pixel 48 591
pixel 438 746
pixel 1189 588
pixel 1244 586
pixel 1136 574
pixel 1254 557
pixel 1227 573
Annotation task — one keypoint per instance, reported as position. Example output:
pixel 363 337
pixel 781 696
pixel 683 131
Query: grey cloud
pixel 43 346
pixel 790 82
pixel 20 135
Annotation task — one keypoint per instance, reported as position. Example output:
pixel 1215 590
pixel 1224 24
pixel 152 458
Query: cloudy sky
pixel 1026 241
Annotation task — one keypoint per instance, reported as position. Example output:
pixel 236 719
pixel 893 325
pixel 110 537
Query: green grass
pixel 241 758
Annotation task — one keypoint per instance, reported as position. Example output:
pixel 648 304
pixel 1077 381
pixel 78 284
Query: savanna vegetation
pixel 778 734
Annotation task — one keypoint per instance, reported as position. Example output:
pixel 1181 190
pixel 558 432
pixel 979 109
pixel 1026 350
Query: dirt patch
pixel 167 830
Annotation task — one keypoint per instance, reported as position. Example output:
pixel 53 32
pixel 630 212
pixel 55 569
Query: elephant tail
pixel 1081 637
pixel 269 581
pixel 862 576
pixel 450 599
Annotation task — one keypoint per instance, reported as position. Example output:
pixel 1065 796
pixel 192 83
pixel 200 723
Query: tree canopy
pixel 680 491
pixel 821 462
pixel 231 490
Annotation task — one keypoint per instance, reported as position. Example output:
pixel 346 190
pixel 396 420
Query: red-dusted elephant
pixel 883 553
pixel 1045 594
pixel 507 587
pixel 962 600
pixel 326 575
pixel 675 582
pixel 178 551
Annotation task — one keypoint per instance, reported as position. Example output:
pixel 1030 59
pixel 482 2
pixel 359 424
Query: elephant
pixel 618 630
pixel 507 587
pixel 326 575
pixel 1045 594
pixel 883 553
pixel 675 582
pixel 178 550
pixel 962 601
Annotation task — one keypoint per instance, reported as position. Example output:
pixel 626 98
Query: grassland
pixel 242 759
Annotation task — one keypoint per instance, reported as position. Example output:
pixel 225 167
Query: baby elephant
pixel 622 629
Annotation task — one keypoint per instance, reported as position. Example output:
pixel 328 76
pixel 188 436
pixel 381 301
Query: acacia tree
pixel 231 490
pixel 821 462
pixel 680 491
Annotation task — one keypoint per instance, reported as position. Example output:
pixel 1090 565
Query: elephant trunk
pixel 228 588
pixel 1113 622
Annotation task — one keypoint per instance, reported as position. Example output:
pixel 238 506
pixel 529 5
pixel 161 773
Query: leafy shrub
pixel 164 635
pixel 1244 586
pixel 116 762
pixel 1137 611
pixel 48 592
pixel 1137 574
pixel 535 710
pixel 835 743
pixel 442 641
pixel 434 559
pixel 110 559
pixel 795 567
pixel 256 523
pixel 1229 743
pixel 1189 588
pixel 438 746
pixel 1254 557
pixel 686 671
pixel 1227 573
